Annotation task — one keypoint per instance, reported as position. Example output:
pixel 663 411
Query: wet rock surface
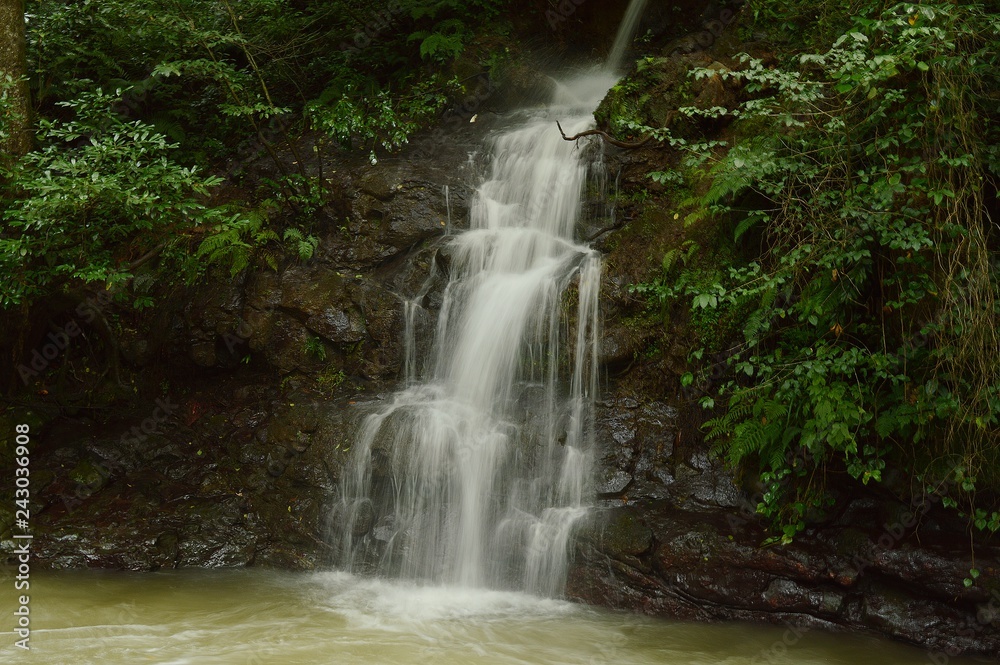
pixel 229 452
pixel 233 475
pixel 342 310
pixel 674 536
pixel 710 564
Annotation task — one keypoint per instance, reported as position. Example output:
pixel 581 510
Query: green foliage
pixel 238 239
pixel 872 310
pixel 140 45
pixel 669 177
pixel 198 80
pixel 445 43
pixel 330 380
pixel 214 73
pixel 98 194
pixel 692 273
pixel 802 25
pixel 377 119
pixel 304 195
pixel 303 245
pixel 234 240
pixel 315 347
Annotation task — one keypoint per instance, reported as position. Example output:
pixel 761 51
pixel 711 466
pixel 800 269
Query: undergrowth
pixel 870 303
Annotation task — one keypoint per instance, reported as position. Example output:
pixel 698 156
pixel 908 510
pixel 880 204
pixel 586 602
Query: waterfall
pixel 475 472
pixel 626 31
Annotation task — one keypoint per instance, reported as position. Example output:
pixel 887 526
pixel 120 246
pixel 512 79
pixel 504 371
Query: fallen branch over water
pixel 604 135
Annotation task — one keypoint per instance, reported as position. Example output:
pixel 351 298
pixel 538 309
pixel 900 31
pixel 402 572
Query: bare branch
pixel 604 135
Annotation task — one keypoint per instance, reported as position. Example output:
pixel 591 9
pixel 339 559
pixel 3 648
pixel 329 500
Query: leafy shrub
pixel 874 304
pixel 98 195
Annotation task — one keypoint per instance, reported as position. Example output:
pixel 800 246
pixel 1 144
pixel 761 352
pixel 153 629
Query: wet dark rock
pixel 614 481
pixel 620 346
pixel 619 531
pixel 363 519
pixel 247 486
pixel 275 467
pixel 345 303
pixel 376 184
pixel 710 565
pixel 415 215
pixel 636 442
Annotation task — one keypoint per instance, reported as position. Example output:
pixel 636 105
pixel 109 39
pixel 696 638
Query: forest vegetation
pixel 848 295
pixel 138 106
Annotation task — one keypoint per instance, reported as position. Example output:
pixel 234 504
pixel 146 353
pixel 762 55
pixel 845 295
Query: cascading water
pixel 626 30
pixel 477 470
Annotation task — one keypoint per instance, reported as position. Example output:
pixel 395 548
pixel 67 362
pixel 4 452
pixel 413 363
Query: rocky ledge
pixel 676 538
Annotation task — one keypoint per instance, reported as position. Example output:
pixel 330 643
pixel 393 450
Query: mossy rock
pixel 625 534
pixel 88 475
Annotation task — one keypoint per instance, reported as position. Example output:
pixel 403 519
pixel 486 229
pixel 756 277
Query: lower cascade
pixel 475 473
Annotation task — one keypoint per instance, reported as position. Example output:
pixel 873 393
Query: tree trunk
pixel 15 115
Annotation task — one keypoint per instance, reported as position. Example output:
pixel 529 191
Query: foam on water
pixel 401 605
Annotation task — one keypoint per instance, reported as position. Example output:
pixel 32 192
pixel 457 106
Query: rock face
pixel 230 475
pixel 675 533
pixel 342 310
pixel 675 537
pixel 229 452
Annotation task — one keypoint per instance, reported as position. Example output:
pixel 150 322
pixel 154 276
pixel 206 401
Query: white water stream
pixel 626 30
pixel 476 472
pixel 489 446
